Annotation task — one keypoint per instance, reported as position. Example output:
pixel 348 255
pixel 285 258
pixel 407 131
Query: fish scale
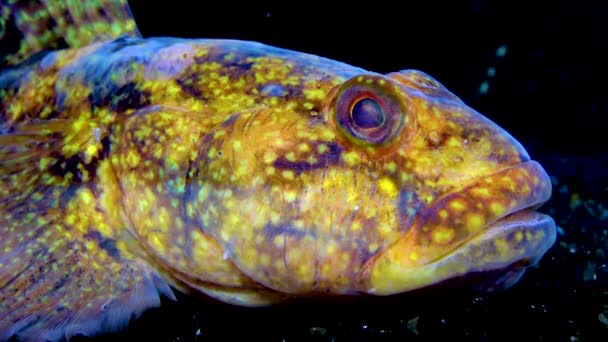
pixel 134 167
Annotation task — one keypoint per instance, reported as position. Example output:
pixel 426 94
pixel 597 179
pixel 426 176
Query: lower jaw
pixel 498 257
pixel 499 254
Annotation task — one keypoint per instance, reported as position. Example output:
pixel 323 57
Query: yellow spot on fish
pixel 279 240
pixel 482 192
pixel 497 208
pixel 351 158
pixel 540 234
pixel 132 158
pixel 269 157
pixel 314 94
pixel 454 142
pixel 264 260
pixel 212 153
pixel 457 205
pixel 443 214
pixel 86 197
pixel 442 235
pixel 322 148
pixel 156 242
pixel 475 221
pixel 288 174
pixel 290 196
pixel 519 236
pixel 274 217
pixel 44 163
pixel 388 186
pixel 331 248
pixel 413 256
pixel 502 247
pixel 70 219
pixel 391 166
pixel 203 192
pixel 303 147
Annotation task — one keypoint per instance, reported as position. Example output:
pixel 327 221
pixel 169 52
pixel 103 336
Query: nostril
pixel 434 138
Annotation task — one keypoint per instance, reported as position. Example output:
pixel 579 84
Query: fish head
pixel 382 184
pixel 476 188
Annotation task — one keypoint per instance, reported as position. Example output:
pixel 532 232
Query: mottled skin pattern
pixel 231 168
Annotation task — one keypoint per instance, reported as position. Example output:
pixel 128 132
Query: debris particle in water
pixel 483 88
pixel 317 331
pixel 412 324
pixel 501 51
pixel 589 272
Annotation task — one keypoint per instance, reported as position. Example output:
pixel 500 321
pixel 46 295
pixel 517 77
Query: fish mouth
pixel 515 235
pixel 509 245
pixel 486 226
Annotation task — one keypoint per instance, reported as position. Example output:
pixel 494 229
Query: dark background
pixel 548 90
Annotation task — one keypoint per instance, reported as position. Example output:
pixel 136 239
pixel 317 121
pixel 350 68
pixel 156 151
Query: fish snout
pixel 488 225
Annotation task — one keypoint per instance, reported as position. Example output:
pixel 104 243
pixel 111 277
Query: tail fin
pixel 53 24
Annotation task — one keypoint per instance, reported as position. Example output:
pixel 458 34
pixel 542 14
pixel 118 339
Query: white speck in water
pixel 483 88
pixel 198 332
pixel 491 72
pixel 412 324
pixel 501 51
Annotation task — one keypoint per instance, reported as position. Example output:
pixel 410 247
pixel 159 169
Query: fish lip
pixel 472 229
pixel 511 243
pixel 524 221
pixel 522 208
pixel 518 234
pixel 528 205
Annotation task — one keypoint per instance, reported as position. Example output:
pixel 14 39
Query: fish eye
pixel 370 111
pixel 367 113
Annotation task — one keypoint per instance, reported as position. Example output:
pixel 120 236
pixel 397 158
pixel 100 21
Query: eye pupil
pixel 367 113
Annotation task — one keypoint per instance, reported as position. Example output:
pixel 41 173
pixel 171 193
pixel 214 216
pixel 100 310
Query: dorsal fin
pixel 53 24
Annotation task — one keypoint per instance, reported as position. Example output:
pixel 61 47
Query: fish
pixel 135 168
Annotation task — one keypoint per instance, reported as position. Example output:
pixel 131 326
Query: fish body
pixel 131 167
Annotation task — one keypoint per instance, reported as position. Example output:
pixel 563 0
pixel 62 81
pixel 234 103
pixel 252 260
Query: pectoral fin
pixel 68 264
